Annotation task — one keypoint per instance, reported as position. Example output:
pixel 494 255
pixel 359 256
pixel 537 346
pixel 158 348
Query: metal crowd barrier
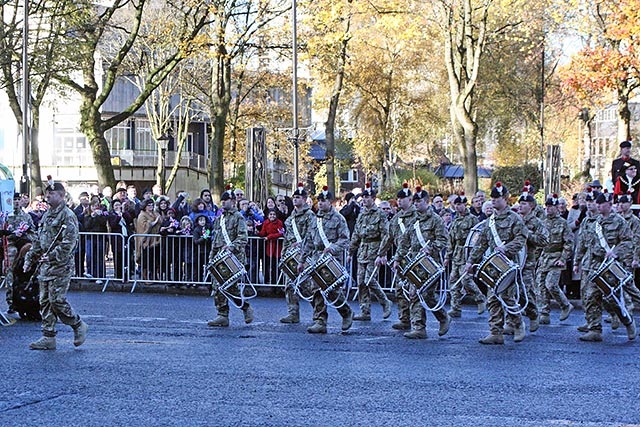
pixel 174 260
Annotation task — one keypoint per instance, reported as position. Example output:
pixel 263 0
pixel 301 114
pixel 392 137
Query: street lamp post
pixel 163 143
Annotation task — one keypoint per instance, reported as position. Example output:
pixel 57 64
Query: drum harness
pixel 307 272
pixel 442 281
pixel 301 277
pixel 515 308
pixel 241 284
pixel 619 299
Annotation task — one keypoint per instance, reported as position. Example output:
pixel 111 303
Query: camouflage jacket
pixel 615 232
pixel 335 229
pixel 370 234
pixel 537 238
pixel 560 243
pixel 634 225
pixel 61 261
pixel 458 233
pixel 431 227
pixel 303 219
pixel 236 227
pixel 582 252
pixel 20 221
pixel 401 222
pixel 511 231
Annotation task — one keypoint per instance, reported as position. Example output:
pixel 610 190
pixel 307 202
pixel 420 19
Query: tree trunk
pixel 624 116
pixel 36 174
pixel 92 128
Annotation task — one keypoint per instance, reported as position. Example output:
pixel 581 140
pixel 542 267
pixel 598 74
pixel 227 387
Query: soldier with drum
pixel 505 235
pixel 456 255
pixel 327 236
pixel 401 222
pixel 427 237
pixel 368 241
pixel 296 228
pixel 229 239
pixel 537 238
pixel 611 248
pixel 582 252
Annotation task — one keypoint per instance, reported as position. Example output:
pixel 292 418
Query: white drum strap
pixel 323 236
pixel 296 232
pixel 223 228
pixel 603 241
pixel 401 225
pixel 419 235
pixel 494 232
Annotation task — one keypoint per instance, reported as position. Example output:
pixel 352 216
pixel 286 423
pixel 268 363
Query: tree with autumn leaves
pixel 610 61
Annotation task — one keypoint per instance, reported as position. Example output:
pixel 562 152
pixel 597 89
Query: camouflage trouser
pixel 292 299
pixel 222 303
pixel 404 315
pixel 458 286
pixel 365 272
pixel 12 251
pixel 532 286
pixel 54 305
pixel 497 312
pixel 336 297
pixel 549 281
pixel 418 312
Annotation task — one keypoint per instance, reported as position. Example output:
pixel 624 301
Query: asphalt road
pixel 151 360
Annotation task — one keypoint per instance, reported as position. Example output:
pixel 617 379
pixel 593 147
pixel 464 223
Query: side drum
pixel 225 268
pixel 497 272
pixel 610 277
pixel 289 262
pixel 423 271
pixel 472 239
pixel 328 273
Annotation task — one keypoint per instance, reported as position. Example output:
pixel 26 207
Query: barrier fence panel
pixel 177 260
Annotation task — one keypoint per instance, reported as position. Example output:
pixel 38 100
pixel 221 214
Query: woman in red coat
pixel 272 229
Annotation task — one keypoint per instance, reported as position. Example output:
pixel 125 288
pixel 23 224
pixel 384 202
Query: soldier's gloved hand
pixel 501 249
pixel 576 267
pixel 559 263
pixel 468 268
pixel 301 267
pixel 381 261
pixel 446 262
pixel 396 264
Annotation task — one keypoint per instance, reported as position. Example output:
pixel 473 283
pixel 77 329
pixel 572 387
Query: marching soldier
pixel 368 240
pixel 427 235
pixel 296 226
pixel 18 231
pixel 230 234
pixel 52 251
pixel 401 222
pixel 582 251
pixel 611 239
pixel 327 234
pixel 457 238
pixel 505 233
pixel 552 261
pixel 537 238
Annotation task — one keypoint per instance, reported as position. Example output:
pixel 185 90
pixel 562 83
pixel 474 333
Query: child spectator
pixel 202 243
pixel 272 229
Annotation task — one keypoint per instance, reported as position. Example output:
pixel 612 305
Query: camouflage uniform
pixel 634 225
pixel 432 229
pixel 537 238
pixel 558 248
pixel 401 222
pixel 512 231
pixel 236 227
pixel 368 239
pixel 616 232
pixel 304 218
pixel 18 221
pixel 337 233
pixel 458 233
pixel 582 253
pixel 55 274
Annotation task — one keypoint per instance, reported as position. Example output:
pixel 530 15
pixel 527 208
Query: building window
pixel 349 176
